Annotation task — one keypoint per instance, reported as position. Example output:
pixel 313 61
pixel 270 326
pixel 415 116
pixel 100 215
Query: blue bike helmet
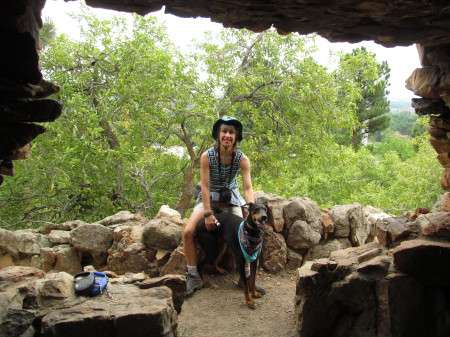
pixel 230 121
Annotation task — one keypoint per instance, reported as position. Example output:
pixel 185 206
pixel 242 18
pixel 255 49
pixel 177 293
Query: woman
pixel 219 167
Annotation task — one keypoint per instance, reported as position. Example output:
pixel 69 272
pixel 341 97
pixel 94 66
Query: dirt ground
pixel 221 310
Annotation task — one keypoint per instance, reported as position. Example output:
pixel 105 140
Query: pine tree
pixel 372 106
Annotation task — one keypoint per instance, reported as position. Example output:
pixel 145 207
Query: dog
pixel 243 237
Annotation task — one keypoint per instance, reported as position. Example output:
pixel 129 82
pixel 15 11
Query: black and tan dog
pixel 243 237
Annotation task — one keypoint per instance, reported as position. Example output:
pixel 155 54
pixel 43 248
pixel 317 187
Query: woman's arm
pixel 247 180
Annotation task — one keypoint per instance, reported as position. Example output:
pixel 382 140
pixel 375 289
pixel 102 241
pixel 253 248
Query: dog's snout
pixel 264 217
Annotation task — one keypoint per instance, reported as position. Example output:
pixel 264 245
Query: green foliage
pixel 372 79
pixel 138 114
pixel 48 32
pixel 402 145
pixel 405 123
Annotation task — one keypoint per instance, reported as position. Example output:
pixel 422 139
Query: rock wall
pixel 397 285
pixel 358 266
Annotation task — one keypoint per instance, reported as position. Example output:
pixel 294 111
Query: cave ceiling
pixel 389 23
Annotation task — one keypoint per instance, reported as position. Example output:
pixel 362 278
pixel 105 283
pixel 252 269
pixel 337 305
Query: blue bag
pixel 90 283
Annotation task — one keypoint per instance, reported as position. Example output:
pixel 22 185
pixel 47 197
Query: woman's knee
pixel 188 234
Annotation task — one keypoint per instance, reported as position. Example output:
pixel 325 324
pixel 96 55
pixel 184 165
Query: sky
pixel 402 60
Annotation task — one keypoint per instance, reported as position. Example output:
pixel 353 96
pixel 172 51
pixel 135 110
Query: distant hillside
pixel 401 105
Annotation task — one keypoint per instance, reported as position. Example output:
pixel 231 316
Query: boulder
pixel 349 223
pixel 425 260
pixel 176 263
pixel 357 292
pixel 67 258
pixel 95 240
pixel 435 224
pixel 65 226
pixel 294 259
pixel 162 234
pixel 133 312
pixel 119 218
pixel 393 229
pixel 170 215
pixel 129 254
pixel 176 283
pixel 58 237
pixel 92 238
pixel 22 243
pixel 302 235
pixel 275 206
pixel 303 209
pixel 274 251
pixel 33 303
pixel 325 247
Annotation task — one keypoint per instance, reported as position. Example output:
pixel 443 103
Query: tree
pixel 138 114
pixel 372 107
pixel 48 32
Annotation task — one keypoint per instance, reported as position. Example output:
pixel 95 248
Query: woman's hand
pixel 211 222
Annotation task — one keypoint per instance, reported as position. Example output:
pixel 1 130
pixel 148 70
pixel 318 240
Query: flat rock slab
pixel 132 312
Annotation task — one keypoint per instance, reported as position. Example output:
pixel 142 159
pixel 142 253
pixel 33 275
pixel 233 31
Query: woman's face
pixel 227 136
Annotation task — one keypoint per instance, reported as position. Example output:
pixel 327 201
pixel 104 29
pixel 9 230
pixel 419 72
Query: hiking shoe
pixel 259 289
pixel 193 282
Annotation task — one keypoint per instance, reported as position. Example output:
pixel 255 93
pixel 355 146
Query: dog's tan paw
pixel 251 304
pixel 257 294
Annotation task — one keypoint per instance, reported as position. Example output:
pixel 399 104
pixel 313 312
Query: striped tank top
pixel 219 178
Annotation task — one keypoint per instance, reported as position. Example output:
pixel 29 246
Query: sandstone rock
pixel 118 218
pixel 133 312
pixel 176 283
pixel 65 226
pixel 6 260
pixel 67 259
pixel 377 265
pixel 371 216
pixel 34 303
pixel 176 263
pixel 358 254
pixel 358 293
pixel 22 243
pixel 95 239
pixel 133 258
pixel 426 261
pixel 294 259
pixel 47 259
pixel 170 215
pixel 162 234
pixel 275 205
pixel 14 276
pixel 390 230
pixel 18 322
pixel 325 247
pixel 424 82
pixel 349 223
pixel 406 310
pixel 302 235
pixel 442 204
pixel 274 251
pixel 162 257
pixel 437 223
pixel 59 237
pixel 303 209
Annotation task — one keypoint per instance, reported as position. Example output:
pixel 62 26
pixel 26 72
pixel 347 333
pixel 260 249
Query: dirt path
pixel 221 310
